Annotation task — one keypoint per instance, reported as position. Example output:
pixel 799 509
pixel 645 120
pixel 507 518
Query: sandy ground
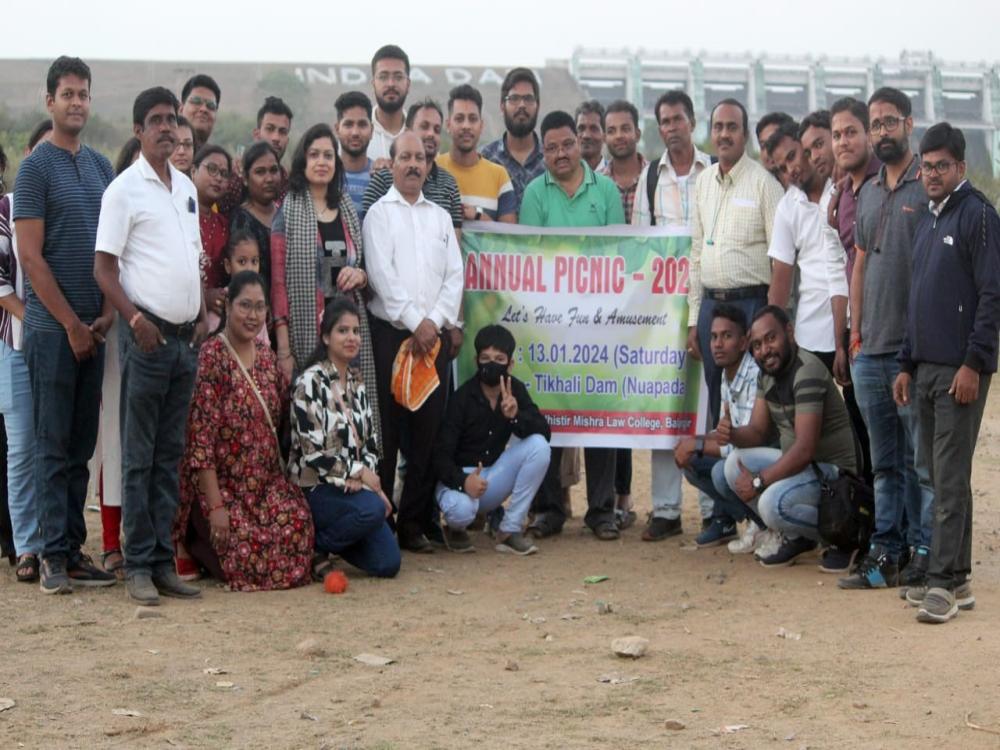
pixel 497 652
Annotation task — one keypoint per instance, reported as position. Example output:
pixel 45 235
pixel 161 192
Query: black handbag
pixel 846 510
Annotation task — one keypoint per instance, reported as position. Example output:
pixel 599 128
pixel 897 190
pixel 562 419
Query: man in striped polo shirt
pixel 59 189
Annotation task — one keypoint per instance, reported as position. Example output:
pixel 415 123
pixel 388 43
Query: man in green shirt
pixel 570 194
pixel 797 397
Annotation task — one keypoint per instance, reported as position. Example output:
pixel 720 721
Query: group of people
pixel 254 347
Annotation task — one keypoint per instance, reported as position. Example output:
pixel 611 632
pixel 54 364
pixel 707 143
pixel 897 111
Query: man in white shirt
pixel 390 84
pixel 808 260
pixel 148 244
pixel 415 270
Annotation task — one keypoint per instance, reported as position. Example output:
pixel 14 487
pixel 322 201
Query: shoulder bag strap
pixel 256 391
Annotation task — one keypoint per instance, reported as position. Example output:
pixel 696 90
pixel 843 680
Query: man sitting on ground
pixel 796 395
pixel 476 468
pixel 702 459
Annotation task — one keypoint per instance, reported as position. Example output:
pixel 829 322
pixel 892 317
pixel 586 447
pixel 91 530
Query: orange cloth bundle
pixel 414 378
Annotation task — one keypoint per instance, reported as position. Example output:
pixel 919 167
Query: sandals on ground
pixel 114 562
pixel 27 568
pixel 321 565
pixel 606 531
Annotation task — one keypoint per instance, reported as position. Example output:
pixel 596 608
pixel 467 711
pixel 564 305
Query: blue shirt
pixel 64 190
pixel 356 182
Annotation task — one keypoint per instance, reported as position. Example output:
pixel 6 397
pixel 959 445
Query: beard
pixel 354 153
pixel 390 108
pixel 890 150
pixel 519 129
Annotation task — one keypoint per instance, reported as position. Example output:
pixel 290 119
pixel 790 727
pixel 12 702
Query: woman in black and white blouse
pixel 334 455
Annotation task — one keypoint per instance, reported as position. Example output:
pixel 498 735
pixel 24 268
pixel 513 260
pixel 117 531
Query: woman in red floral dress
pixel 239 516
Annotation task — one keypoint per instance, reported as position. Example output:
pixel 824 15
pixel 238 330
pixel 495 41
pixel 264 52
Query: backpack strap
pixel 652 175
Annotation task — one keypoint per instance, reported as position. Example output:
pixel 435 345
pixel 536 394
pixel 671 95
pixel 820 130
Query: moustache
pixel 725 142
pixel 413 172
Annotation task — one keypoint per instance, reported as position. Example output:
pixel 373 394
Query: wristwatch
pixel 758 483
pixel 699 447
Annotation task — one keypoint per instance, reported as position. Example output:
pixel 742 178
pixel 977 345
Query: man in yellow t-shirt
pixel 487 193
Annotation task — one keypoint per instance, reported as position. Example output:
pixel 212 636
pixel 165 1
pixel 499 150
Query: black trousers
pixel 6 531
pixel 416 505
pixel 948 434
pixel 599 464
pixel 623 471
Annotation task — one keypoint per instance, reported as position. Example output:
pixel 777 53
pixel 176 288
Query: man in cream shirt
pixel 415 270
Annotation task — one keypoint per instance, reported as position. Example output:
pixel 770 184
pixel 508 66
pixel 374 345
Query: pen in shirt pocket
pixel 191 205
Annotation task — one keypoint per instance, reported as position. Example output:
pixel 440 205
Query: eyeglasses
pixel 385 77
pixel 941 167
pixel 516 99
pixel 554 148
pixel 210 104
pixel 247 307
pixel 187 145
pixel 886 124
pixel 215 170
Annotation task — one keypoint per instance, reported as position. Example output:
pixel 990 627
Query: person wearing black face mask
pixel 476 468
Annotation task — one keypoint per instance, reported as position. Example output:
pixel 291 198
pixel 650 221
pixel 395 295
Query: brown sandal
pixel 114 562
pixel 27 568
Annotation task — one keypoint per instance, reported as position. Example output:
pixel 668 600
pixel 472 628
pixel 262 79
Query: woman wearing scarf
pixel 316 254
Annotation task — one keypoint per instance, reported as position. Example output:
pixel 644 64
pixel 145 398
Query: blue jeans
pixel 353 525
pixel 518 472
pixel 15 405
pixel 66 407
pixel 903 489
pixel 708 475
pixel 790 505
pixel 156 392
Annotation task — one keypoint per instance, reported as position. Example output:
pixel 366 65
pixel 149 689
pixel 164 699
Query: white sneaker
pixel 748 540
pixel 768 543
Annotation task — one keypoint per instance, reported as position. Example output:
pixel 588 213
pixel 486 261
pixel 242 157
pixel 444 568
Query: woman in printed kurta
pixel 334 455
pixel 259 532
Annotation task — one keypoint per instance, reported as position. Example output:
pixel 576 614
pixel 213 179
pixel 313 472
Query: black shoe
pixel 82 572
pixel 915 574
pixel 718 531
pixel 543 526
pixel 661 528
pixel 835 560
pixel 418 543
pixel 167 583
pixel 788 552
pixel 435 535
pixel 457 540
pixel 876 571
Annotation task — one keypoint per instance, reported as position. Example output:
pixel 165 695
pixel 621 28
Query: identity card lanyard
pixel 715 220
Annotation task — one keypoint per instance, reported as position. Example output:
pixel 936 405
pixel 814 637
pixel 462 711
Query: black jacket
pixel 472 432
pixel 953 316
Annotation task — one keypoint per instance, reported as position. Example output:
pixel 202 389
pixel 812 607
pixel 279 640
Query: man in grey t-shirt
pixel 889 208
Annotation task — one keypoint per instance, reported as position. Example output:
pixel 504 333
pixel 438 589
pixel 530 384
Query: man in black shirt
pixel 476 468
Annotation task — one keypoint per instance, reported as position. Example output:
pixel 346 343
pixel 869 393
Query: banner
pixel 600 320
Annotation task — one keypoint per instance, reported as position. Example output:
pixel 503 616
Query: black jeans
pixel 623 471
pixel 416 505
pixel 67 406
pixel 155 396
pixel 948 433
pixel 599 464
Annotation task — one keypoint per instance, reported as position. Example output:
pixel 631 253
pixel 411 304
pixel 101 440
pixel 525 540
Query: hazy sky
pixel 497 33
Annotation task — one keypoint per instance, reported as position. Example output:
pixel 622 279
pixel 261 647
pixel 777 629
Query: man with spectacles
pixel 570 194
pixel 183 156
pixel 518 150
pixel 148 244
pixel 948 356
pixel 890 207
pixel 200 99
pixel 390 84
pixel 274 125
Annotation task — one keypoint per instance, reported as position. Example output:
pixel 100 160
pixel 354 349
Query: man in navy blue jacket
pixel 950 350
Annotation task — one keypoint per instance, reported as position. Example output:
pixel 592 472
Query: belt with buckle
pixel 741 292
pixel 173 330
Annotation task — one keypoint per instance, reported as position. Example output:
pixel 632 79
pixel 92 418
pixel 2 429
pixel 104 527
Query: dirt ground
pixel 497 652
